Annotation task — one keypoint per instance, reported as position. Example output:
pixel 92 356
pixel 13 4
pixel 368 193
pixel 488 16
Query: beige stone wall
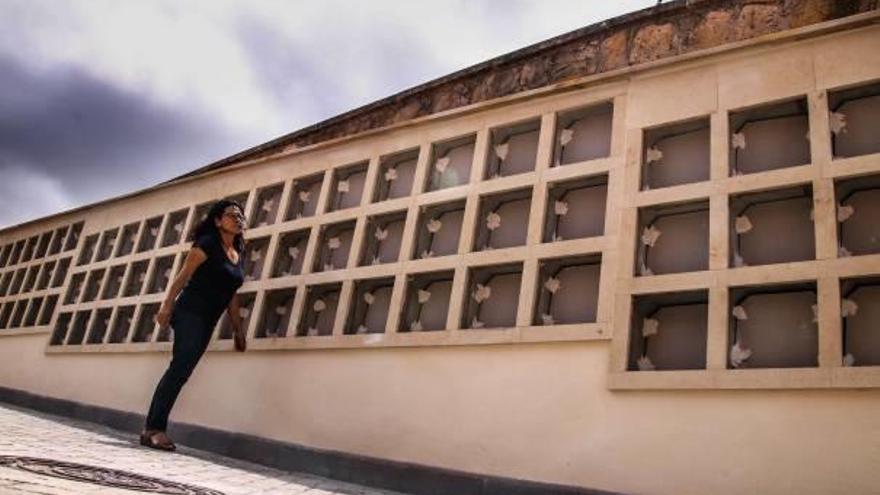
pixel 544 402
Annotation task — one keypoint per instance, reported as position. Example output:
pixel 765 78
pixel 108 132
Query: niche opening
pixel 245 310
pixel 438 230
pixel 150 234
pixel 319 313
pixel 146 324
pixel 174 228
pixel 277 308
pixel 492 296
pixel 304 197
pixel 860 312
pixel 369 307
pixel 858 208
pixel 122 324
pixel 290 254
pixel 854 119
pixel 668 331
pixel 334 246
pixel 503 220
pixel 136 278
pixel 673 239
pixel 382 238
pixel 769 137
pixel 348 187
pixel 450 163
pixel 576 209
pixel 427 301
pixel 568 290
pixel 396 176
pixel 676 154
pixel 772 227
pixel 583 134
pixel 255 258
pixel 266 208
pixel 514 150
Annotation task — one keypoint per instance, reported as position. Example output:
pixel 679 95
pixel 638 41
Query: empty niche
pixel 255 257
pixel 73 236
pixel 514 150
pixel 18 313
pixel 4 255
pixel 583 134
pixel 676 154
pixel 199 215
pixel 93 285
pixel 291 250
pixel 854 119
pixel 58 240
pixel 368 312
pixel 18 281
pixel 33 312
pixel 585 199
pixel 108 242
pixel 266 207
pixel 240 198
pixel 773 326
pixel 136 278
pixel 16 252
pixel 319 312
pixel 396 175
pixel 174 228
pixel 383 238
pixel 568 290
pixel 6 313
pixel 43 244
pixel 150 234
pixel 673 239
pixel 772 227
pixel 48 310
pixel 161 274
pixel 29 249
pixel 100 324
pixel 78 327
pixel 31 278
pixel 59 333
pixel 427 301
pixel 245 308
pixel 304 197
pixel 277 308
pixel 860 312
pixel 114 282
pixel 126 239
pixel 334 245
pixel 450 163
pixel 438 230
pixel 668 331
pixel 146 325
pixel 60 272
pixel 492 296
pixel 858 208
pixel 75 287
pixel 45 275
pixel 88 250
pixel 6 282
pixel 121 325
pixel 503 220
pixel 348 187
pixel 769 137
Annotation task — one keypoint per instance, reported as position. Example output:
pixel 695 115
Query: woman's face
pixel 232 220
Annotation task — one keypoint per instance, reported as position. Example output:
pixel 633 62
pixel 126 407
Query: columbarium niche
pixel 348 187
pixel 513 150
pixel 146 325
pixel 121 325
pixel 368 312
pixel 427 302
pixel 199 215
pixel 108 242
pixel 33 311
pixel 56 245
pixel 48 310
pixel 174 228
pixel 136 278
pixel 438 230
pixel 29 249
pixel 773 326
pixel 60 272
pixel 858 211
pixel 503 220
pixel 675 154
pixel 860 315
pixel 4 255
pixel 150 234
pixel 78 328
pixel 334 245
pixel 673 239
pixel 245 310
pixel 450 163
pixel 73 236
pixel 93 285
pixel 266 207
pixel 31 279
pixel 854 117
pixel 277 309
pixel 568 290
pixel 668 331
pixel 43 245
pixel 396 176
pixel 576 209
pixel 383 238
pixel 492 296
pixel 304 197
pixel 18 281
pixel 291 252
pixel 772 227
pixel 59 333
pixel 88 250
pixel 75 287
pixel 255 258
pixel 114 282
pixel 127 238
pixel 100 325
pixel 161 274
pixel 19 313
pixel 6 313
pixel 45 275
pixel 583 134
pixel 769 137
pixel 319 312
pixel 6 282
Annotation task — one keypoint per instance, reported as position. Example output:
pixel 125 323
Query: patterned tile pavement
pixel 31 434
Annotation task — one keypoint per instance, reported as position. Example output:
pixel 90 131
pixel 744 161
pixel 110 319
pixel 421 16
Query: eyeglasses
pixel 234 214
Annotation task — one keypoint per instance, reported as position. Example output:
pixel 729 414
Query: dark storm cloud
pixel 94 139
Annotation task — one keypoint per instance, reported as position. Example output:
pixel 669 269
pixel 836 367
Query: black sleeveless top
pixel 214 282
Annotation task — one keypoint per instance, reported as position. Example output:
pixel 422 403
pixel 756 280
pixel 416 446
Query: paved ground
pixel 28 434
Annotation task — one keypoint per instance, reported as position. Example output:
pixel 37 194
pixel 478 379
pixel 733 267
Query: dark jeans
pixel 192 333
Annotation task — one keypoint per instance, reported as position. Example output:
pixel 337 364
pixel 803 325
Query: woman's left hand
pixel 240 340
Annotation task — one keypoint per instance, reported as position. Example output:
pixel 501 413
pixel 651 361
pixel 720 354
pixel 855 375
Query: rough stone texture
pixel 669 29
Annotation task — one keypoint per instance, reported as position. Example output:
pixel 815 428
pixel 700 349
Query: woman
pixel 211 274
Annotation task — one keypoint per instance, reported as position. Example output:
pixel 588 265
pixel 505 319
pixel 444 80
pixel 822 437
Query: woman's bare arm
pixel 234 313
pixel 194 258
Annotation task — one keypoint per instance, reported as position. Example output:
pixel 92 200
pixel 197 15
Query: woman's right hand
pixel 163 316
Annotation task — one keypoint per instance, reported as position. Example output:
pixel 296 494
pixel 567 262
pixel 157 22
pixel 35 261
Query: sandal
pixel 148 439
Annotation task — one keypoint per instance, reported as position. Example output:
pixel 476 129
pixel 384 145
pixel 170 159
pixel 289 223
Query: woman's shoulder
pixel 207 242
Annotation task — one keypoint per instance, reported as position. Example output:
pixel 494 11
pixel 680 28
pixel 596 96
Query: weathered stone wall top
pixel 669 29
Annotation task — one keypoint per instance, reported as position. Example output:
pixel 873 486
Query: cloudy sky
pixel 99 98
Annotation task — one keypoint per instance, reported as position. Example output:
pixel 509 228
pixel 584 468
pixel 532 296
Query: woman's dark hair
pixel 207 226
